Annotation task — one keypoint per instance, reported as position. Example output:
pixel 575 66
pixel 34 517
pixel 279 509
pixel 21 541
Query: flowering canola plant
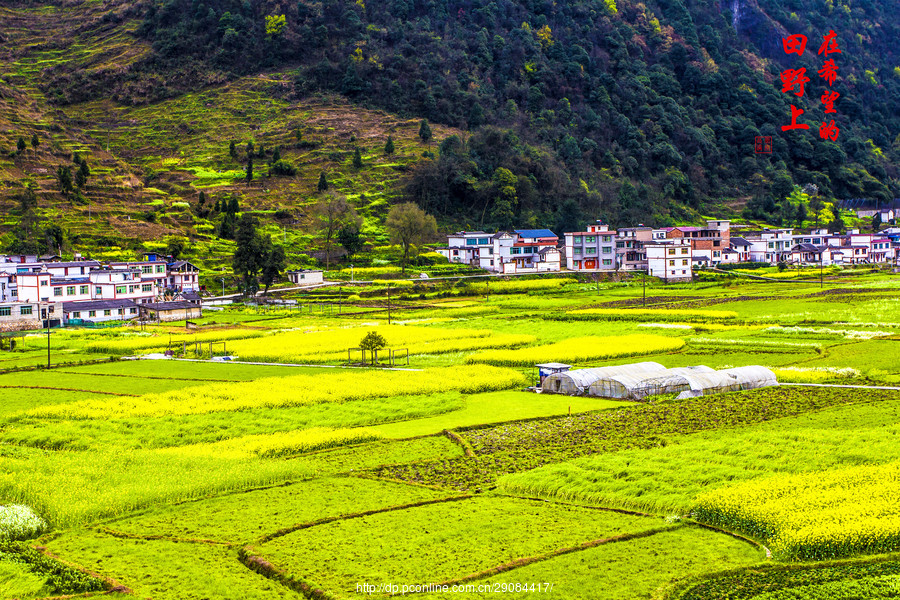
pixel 297 390
pixel 813 516
pixel 575 350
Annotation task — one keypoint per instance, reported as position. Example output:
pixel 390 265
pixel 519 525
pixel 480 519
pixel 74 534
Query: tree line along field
pixel 298 476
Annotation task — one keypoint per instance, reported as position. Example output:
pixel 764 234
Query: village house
pixel 592 250
pixel 305 277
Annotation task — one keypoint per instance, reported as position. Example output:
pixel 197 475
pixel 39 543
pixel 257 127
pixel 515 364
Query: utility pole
pixel 223 285
pixel 48 336
pixel 389 305
pixel 644 279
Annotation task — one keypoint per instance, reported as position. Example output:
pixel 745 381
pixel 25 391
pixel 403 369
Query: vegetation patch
pixel 580 349
pixel 813 516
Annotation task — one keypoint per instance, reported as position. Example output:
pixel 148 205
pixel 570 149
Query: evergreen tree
pixel 357 159
pixel 322 186
pixel 20 145
pixel 424 131
pixel 276 155
pixel 64 178
pixel 801 214
pixel 389 146
pixel 35 142
pixel 249 170
pixel 232 149
pixel 250 148
pixel 351 240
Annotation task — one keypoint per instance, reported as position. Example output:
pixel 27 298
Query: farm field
pixel 293 473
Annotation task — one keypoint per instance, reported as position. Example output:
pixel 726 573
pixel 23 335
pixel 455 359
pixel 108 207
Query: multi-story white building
pixel 591 250
pixel 467 247
pixel 670 260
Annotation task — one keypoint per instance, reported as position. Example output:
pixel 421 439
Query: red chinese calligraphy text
pixel 829 71
pixel 828 100
pixel 829 131
pixel 795 112
pixel 794 44
pixel 794 79
pixel 829 46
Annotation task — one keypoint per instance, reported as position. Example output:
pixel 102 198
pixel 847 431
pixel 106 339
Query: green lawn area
pixel 496 407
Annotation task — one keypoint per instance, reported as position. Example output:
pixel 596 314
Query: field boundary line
pixel 466 446
pixel 623 511
pixel 165 538
pixel 527 560
pixel 265 364
pixel 87 373
pixel 263 567
pixel 348 516
pixel 62 389
pixel 111 584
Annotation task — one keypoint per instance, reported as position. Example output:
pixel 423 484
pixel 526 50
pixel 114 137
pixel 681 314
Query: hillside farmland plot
pixel 192 479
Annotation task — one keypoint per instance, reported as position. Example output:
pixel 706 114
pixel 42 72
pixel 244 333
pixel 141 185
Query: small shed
pixel 305 277
pixel 578 382
pixel 547 369
pixel 170 311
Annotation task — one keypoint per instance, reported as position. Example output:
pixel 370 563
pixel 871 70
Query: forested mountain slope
pixel 632 111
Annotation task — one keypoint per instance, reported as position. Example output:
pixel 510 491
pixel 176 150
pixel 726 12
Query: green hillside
pixel 543 114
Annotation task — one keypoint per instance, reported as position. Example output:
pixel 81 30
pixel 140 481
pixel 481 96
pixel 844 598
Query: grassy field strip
pixel 150 377
pixel 149 536
pixel 356 515
pixel 166 570
pixel 62 389
pixel 527 560
pixel 439 541
pixel 227 518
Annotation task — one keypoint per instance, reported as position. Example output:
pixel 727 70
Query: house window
pixel 484 241
pixel 771 245
pixel 606 238
pixel 14 293
pixel 84 290
pixel 148 287
pixel 146 269
pixel 70 290
pixel 57 291
pixel 5 311
pixel 92 313
pixel 684 262
pixel 132 310
pixel 529 250
pixel 671 263
pixel 25 310
pixel 76 315
pixel 44 282
pixel 471 242
pixel 590 250
pixel 672 251
pixel 576 251
pixel 607 262
pixel 620 244
pixel 107 312
pixel 590 239
pixel 515 250
pixel 577 239
pixel 130 289
pixel 607 249
pixel 160 269
pixel 684 250
pixel 121 289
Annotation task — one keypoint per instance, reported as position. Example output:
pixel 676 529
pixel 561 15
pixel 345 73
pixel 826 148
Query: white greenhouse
pixel 577 382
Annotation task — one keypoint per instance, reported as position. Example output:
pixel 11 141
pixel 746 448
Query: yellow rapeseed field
pixel 813 516
pixel 332 345
pixel 577 350
pixel 656 314
pixel 273 392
